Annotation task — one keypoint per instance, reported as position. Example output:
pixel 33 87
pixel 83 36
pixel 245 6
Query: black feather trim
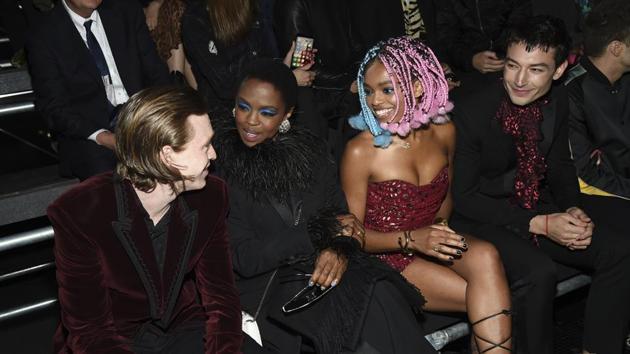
pixel 323 227
pixel 348 246
pixel 274 168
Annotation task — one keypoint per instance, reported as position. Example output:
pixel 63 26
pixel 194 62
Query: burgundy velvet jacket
pixel 109 280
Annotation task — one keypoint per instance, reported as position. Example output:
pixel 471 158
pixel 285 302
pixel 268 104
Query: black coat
pixel 68 88
pixel 284 197
pixel 485 162
pixel 264 236
pixel 467 27
pixel 217 67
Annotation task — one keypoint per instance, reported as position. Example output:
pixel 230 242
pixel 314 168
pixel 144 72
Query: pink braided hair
pixel 409 60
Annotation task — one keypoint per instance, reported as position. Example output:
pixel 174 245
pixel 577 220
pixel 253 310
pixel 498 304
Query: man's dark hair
pixel 543 32
pixel 608 21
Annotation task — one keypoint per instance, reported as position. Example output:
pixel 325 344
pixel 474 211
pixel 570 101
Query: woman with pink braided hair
pixel 396 176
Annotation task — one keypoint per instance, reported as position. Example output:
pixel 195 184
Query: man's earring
pixel 284 126
pixel 233 112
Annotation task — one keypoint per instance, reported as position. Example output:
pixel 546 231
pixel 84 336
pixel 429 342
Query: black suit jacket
pixel 485 162
pixel 68 89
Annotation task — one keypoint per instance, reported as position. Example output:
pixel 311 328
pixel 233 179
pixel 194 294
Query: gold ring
pixel 441 221
pixel 436 248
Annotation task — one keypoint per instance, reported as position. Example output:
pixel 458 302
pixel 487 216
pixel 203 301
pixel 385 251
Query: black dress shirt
pixel 159 234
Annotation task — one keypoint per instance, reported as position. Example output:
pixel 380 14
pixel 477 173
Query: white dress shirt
pixel 116 94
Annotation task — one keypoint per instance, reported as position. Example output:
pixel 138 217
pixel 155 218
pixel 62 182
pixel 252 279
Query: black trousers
pixel 610 211
pixel 531 272
pixel 104 161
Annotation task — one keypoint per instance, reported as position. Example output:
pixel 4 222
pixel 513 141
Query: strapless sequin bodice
pixel 397 205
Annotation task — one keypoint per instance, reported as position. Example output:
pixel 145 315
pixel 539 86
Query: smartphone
pixel 303 53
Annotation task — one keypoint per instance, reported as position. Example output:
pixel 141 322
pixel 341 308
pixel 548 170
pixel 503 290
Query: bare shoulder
pixel 360 147
pixel 445 134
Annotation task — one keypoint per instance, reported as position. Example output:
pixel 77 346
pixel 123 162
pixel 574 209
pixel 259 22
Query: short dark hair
pixel 543 32
pixel 151 119
pixel 608 21
pixel 275 73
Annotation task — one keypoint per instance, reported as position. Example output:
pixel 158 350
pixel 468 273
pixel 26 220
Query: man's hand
pixel 329 268
pixel 584 240
pixel 106 139
pixel 564 229
pixel 487 61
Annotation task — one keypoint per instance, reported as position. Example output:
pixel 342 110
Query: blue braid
pixel 366 119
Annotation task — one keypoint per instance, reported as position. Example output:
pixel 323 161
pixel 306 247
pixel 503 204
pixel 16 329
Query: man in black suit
pixel 515 186
pixel 85 60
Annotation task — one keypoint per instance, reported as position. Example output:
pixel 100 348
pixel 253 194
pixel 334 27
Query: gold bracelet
pixel 404 249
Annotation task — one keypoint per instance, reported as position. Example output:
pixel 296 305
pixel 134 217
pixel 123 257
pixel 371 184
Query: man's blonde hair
pixel 151 119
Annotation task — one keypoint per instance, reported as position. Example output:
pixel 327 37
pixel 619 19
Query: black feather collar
pixel 275 168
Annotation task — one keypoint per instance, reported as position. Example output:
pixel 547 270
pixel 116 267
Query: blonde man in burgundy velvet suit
pixel 142 253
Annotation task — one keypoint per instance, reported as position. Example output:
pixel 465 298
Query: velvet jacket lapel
pixel 162 289
pixel 181 236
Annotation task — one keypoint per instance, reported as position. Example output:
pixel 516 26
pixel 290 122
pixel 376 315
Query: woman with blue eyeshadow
pixel 304 283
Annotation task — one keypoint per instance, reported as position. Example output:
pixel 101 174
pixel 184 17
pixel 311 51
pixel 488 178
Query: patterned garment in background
pixel 168 32
pixel 414 25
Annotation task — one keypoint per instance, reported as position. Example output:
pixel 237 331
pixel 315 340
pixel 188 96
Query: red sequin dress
pixel 397 205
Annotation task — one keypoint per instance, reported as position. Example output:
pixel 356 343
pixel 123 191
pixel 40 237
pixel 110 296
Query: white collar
pixel 77 19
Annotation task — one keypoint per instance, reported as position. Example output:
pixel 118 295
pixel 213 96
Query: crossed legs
pixel 475 284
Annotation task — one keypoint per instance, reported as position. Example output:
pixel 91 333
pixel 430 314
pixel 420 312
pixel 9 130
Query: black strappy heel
pixel 493 345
